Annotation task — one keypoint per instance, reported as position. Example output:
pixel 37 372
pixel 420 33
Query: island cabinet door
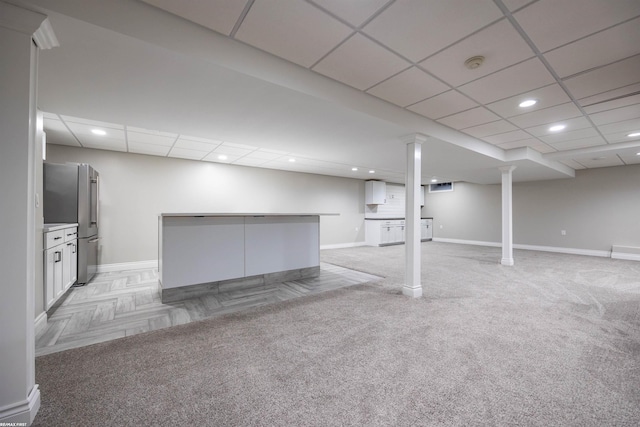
pixel 274 244
pixel 199 250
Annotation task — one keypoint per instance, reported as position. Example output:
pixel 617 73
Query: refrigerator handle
pixel 94 204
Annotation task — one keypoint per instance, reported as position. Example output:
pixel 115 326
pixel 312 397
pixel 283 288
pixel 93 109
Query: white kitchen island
pixel 202 253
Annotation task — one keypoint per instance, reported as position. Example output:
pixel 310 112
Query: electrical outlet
pixel 563 232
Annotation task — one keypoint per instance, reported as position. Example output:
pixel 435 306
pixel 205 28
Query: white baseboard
pixel 572 251
pixel 467 242
pixel 22 413
pixel 122 266
pixel 629 253
pixel 343 245
pixel 40 323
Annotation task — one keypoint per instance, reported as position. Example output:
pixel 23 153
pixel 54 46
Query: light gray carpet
pixel 552 341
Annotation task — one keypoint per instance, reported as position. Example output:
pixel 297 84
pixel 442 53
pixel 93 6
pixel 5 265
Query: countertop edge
pixel 251 214
pixel 57 226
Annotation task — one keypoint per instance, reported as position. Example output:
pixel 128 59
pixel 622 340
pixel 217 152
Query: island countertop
pixel 237 214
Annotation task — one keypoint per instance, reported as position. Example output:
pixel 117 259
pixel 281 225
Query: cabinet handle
pixel 57 256
pixel 57 238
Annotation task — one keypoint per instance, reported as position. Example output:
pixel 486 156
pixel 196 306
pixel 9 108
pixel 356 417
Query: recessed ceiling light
pixel 354 169
pixel 98 132
pixel 292 160
pixel 222 157
pixel 372 171
pixel 434 180
pixel 557 128
pixel 528 103
pixel 637 154
pixel 634 134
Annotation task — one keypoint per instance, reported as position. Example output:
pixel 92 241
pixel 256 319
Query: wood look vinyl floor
pixel 119 304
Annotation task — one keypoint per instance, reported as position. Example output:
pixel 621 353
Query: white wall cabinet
pixel 60 261
pixel 393 231
pixel 375 192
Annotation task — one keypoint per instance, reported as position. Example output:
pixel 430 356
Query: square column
pixel 507 215
pixel 413 286
pixel 19 28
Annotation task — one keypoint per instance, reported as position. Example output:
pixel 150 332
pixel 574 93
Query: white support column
pixel 507 215
pixel 412 285
pixel 19 30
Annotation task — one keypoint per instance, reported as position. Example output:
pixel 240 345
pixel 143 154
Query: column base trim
pixel 412 292
pixel 22 412
pixel 507 261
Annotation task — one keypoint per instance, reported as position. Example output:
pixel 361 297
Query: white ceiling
pixel 336 84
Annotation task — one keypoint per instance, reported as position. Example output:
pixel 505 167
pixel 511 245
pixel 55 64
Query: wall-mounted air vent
pixel 440 187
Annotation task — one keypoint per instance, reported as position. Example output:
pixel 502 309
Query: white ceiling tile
pixel 628 126
pixel 57 133
pixel 572 124
pixel 570 135
pixel 601 161
pixel 230 151
pixel 198 139
pixel 47 115
pixel 443 105
pixel 113 140
pixel 513 5
pixel 92 123
pixel 354 12
pixel 591 103
pixel 188 144
pixel 502 138
pixel 595 51
pixel 293 30
pixel 613 104
pixel 263 154
pixel 572 164
pixel 234 145
pixel 418 28
pixel 500 44
pixel 547 115
pixel 53 124
pixel 579 143
pixel 475 116
pixel 143 148
pixel 617 115
pixel 183 153
pixel 553 23
pixel 148 138
pixel 631 159
pixel 614 137
pixel 408 87
pixel 152 132
pixel 512 81
pixel 215 157
pixel 497 127
pixel 547 96
pixel 249 161
pixel 360 63
pixel 604 79
pixel 218 15
pixel 529 142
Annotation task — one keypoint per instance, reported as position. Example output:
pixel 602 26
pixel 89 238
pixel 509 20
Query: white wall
pixel 598 208
pixel 136 188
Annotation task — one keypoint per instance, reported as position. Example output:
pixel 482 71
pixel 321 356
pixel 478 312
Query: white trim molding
pixel 572 251
pixel 122 266
pixel 343 245
pixel 629 253
pixel 22 413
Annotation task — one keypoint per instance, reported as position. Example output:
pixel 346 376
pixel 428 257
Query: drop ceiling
pixel 336 85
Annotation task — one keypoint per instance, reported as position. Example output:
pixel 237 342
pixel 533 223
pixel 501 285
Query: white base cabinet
pixel 382 232
pixel 60 261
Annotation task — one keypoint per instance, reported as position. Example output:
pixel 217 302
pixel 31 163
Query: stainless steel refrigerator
pixel 71 195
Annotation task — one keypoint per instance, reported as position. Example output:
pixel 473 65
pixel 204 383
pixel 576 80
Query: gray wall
pixel 136 188
pixel 598 208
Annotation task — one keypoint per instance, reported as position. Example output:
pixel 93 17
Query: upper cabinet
pixel 375 192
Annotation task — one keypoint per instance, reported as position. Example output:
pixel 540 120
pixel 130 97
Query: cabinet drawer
pixel 53 238
pixel 70 234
